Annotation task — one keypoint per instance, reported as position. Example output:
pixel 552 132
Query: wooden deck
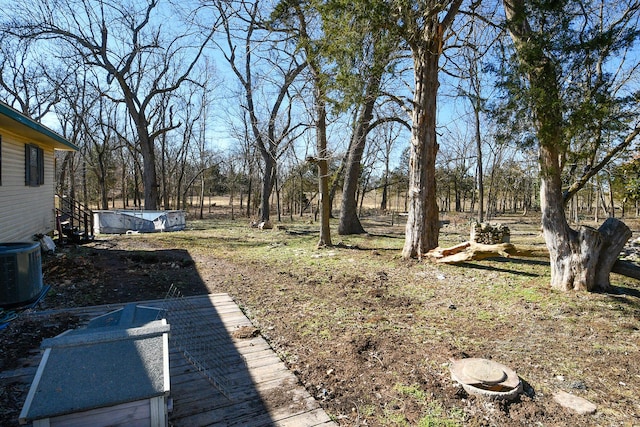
pixel 259 389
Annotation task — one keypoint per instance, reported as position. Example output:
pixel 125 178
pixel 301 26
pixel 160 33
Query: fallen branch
pixel 471 251
pixel 454 249
pixel 626 268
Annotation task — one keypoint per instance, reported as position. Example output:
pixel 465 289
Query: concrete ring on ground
pixel 484 377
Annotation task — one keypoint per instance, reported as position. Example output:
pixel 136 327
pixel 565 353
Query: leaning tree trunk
pixel 349 221
pixel 421 232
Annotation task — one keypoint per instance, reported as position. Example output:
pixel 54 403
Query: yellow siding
pixel 24 210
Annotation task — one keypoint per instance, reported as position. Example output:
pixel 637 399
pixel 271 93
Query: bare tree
pixel 130 45
pixel 477 37
pixel 388 137
pixel 100 147
pixel 270 132
pixel 293 18
pixel 456 160
pixel 27 81
pixel 75 99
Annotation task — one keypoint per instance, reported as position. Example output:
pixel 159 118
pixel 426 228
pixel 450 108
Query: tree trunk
pixel 61 187
pixel 472 251
pixel 323 171
pixel 612 213
pixel 267 185
pixel 421 233
pixel 626 268
pixel 456 193
pixel 349 221
pixel 179 191
pixel 385 189
pixel 580 259
pixel 123 180
pixel 232 201
pixel 163 171
pixel 135 186
pixel 104 201
pixel 614 234
pixel 72 179
pixel 101 173
pixel 147 145
pixel 595 204
pixel 337 178
pixel 249 191
pixel 149 178
pixel 322 155
pixel 584 262
pixel 278 203
pixel 201 201
pixel 480 177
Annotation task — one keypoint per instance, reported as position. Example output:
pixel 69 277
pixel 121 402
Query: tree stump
pixel 614 234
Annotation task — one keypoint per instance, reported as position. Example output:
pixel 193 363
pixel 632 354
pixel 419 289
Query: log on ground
pixel 470 251
pixel 627 269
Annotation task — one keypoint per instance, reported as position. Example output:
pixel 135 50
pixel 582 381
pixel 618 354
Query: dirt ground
pixel 373 342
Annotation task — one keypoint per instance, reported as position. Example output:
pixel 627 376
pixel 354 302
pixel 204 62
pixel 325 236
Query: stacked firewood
pixel 631 251
pixel 490 234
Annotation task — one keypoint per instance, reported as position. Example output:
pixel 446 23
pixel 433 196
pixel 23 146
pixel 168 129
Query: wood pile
pixel 489 234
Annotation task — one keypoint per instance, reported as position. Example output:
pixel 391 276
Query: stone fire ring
pixel 486 378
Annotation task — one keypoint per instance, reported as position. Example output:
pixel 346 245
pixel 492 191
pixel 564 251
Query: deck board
pixel 259 389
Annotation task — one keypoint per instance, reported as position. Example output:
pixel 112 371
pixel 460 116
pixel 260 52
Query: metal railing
pixel 73 218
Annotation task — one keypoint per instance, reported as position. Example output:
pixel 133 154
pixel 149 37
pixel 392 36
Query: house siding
pixel 24 210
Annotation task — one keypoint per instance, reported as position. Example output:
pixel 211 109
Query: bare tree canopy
pixel 263 66
pixel 139 58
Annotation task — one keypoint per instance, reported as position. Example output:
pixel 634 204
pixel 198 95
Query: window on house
pixel 34 165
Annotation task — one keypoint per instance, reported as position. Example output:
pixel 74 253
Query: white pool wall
pixel 123 221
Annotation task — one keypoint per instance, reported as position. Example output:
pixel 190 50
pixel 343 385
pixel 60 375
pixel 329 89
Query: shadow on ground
pixel 513 261
pixel 82 277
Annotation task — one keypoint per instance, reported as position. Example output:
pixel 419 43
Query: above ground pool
pixel 123 221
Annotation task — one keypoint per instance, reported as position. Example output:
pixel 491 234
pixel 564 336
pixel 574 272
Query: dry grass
pixel 380 324
pixel 370 335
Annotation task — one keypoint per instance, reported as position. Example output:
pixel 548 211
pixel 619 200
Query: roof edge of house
pixel 14 114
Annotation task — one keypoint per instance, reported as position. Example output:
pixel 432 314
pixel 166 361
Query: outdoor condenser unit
pixel 20 273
